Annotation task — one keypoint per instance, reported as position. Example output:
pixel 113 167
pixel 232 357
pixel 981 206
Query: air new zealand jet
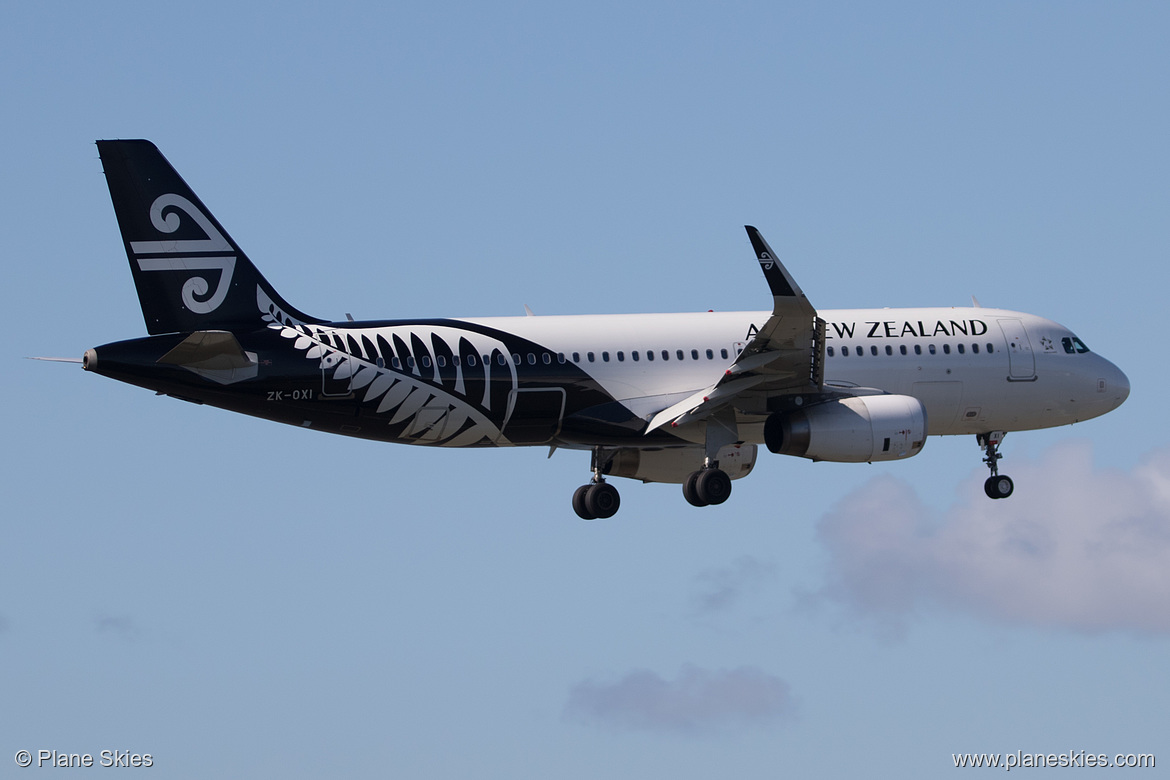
pixel 682 398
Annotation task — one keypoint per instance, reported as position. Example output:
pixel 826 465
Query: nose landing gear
pixel 997 485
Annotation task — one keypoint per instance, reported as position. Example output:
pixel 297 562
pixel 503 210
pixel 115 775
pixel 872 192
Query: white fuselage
pixel 974 369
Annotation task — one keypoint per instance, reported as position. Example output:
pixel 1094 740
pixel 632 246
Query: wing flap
pixel 703 403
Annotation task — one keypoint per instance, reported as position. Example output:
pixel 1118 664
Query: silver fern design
pixel 431 392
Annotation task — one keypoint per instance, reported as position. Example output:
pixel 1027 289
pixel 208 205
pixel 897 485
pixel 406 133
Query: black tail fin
pixel 189 272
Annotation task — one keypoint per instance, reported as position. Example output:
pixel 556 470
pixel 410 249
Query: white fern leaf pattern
pixel 437 393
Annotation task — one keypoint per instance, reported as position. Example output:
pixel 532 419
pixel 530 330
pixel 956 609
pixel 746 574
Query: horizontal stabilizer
pixel 215 355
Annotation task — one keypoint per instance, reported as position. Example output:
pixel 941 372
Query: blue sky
pixel 232 595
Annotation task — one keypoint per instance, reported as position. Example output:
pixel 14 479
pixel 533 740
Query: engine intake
pixel 850 430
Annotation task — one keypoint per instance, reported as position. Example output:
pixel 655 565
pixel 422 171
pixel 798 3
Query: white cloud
pixel 719 589
pixel 697 701
pixel 1075 547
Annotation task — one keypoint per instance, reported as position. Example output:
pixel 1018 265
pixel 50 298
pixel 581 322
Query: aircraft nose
pixel 1114 384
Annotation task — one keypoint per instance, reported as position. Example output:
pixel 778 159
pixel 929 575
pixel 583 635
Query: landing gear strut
pixel 598 499
pixel 997 485
pixel 710 485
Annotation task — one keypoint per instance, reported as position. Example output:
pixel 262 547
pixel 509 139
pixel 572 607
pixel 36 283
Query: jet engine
pixel 674 465
pixel 850 430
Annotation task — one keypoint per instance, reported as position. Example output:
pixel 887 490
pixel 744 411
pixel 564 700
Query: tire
pixel 690 493
pixel 713 486
pixel 998 487
pixel 579 504
pixel 602 500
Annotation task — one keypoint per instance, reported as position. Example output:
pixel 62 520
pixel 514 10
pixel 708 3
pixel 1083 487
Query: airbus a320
pixel 676 398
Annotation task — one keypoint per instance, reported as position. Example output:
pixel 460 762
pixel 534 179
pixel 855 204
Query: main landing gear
pixel 997 485
pixel 707 487
pixel 598 499
pixel 710 485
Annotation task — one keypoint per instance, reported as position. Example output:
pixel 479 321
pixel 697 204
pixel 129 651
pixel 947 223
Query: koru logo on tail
pixel 202 254
pixel 766 261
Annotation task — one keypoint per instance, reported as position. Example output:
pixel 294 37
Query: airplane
pixel 674 398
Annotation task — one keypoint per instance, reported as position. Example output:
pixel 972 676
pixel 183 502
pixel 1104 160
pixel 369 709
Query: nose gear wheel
pixel 997 485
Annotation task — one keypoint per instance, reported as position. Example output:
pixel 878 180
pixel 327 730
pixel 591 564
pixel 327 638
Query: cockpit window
pixel 1073 345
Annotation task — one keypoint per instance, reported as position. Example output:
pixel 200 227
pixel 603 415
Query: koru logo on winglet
pixel 766 261
pixel 202 254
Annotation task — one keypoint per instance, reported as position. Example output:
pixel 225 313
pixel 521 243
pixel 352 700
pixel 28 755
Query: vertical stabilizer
pixel 189 273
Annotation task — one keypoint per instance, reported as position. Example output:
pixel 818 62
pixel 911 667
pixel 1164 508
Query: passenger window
pixel 561 358
pixel 710 354
pixel 604 357
pixel 990 348
pixel 394 361
pixel 962 350
pixel 844 351
pixel 723 353
pixel 576 357
pixel 947 349
pixel 503 361
pixel 410 361
pixel 873 351
pixel 665 354
pixel 442 361
pixel 471 360
pixel 830 351
pixel 426 361
pixel 649 354
pixel 932 349
pixel 889 350
pixel 621 356
pixel 975 349
pixel 917 349
pixel 516 359
pixel 381 363
pixel 902 348
pixel 694 354
pixel 634 355
pixel 679 353
pixel 590 356
pixel 547 358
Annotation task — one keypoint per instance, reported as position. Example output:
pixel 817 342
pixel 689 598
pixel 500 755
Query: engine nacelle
pixel 850 430
pixel 674 465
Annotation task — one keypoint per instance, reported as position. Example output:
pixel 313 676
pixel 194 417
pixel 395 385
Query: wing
pixel 786 355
